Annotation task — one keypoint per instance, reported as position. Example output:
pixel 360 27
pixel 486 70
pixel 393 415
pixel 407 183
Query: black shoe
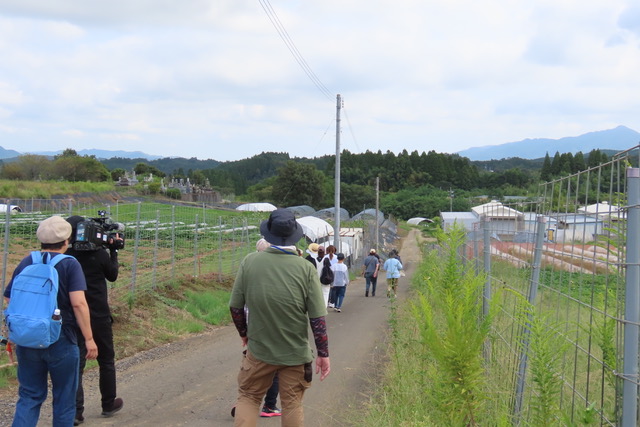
pixel 79 419
pixel 233 412
pixel 366 293
pixel 115 407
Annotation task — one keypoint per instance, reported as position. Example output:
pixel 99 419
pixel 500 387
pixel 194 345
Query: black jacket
pixel 98 267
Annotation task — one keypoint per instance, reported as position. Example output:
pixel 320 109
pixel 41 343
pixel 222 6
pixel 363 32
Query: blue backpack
pixel 33 299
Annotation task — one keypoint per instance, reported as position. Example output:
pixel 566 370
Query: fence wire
pixel 162 241
pixel 564 261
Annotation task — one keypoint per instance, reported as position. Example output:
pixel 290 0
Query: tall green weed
pixel 453 332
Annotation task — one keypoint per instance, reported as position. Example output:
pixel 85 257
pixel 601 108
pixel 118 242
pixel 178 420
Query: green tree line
pixel 410 184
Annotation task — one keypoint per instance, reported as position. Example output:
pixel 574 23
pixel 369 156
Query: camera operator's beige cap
pixel 53 230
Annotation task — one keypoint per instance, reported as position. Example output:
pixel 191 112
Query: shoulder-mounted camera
pixel 101 232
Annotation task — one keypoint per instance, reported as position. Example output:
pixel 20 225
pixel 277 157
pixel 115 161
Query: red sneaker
pixel 270 412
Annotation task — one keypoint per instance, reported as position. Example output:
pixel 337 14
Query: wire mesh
pixel 162 241
pixel 580 290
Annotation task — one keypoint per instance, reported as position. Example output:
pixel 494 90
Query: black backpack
pixel 326 275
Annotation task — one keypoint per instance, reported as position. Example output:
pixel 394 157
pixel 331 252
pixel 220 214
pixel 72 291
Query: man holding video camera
pixel 98 265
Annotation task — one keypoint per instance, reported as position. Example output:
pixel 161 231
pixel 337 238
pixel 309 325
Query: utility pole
pixel 336 226
pixel 377 210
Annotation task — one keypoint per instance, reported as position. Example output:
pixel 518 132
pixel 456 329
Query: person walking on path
pixel 331 257
pixel 312 252
pixel 98 266
pixel 61 359
pixel 326 289
pixel 340 281
pixel 393 269
pixel 282 292
pixel 370 268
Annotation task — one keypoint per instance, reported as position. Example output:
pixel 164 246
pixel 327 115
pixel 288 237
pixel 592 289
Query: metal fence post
pixel 486 293
pixel 5 252
pixel 173 242
pixel 233 244
pixel 631 309
pixel 155 249
pixel 195 248
pixel 476 249
pixel 219 249
pixel 136 243
pixel 533 292
pixel 487 267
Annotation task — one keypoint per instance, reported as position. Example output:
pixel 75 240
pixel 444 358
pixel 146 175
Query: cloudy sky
pixel 214 79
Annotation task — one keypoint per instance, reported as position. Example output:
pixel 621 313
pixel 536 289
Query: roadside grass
pixel 446 364
pixel 435 374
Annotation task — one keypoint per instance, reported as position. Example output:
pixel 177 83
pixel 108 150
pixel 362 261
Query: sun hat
pixel 53 230
pixel 281 228
pixel 313 249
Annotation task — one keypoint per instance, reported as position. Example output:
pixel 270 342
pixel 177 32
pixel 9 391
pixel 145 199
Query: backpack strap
pixel 38 257
pixel 56 259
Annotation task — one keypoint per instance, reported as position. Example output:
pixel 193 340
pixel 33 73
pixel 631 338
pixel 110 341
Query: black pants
pixel 271 398
pixel 103 336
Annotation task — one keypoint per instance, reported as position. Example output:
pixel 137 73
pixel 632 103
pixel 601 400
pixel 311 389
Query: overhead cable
pixel 355 141
pixel 282 32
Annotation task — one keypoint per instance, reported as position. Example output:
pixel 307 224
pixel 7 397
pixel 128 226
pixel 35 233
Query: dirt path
pixel 193 382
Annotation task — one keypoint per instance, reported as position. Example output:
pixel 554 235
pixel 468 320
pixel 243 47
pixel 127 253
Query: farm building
pixel 604 211
pixel 503 220
pixel 575 228
pixel 351 243
pixel 464 219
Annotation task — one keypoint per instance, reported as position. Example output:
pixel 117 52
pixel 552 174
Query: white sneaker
pixel 331 305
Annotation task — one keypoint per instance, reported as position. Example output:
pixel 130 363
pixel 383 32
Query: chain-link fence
pixel 162 241
pixel 563 291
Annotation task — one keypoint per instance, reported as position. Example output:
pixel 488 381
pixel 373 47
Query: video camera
pixel 95 233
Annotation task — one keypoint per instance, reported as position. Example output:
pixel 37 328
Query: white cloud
pixel 215 80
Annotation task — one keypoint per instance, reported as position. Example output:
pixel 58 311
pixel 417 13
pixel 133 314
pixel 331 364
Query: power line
pixel 282 32
pixel 355 141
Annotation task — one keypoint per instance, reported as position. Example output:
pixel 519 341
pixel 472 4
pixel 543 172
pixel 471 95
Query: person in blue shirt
pixel 392 266
pixel 61 359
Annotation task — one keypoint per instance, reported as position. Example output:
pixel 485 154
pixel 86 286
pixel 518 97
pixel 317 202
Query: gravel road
pixel 193 382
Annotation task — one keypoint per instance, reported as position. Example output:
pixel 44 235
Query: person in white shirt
pixel 340 281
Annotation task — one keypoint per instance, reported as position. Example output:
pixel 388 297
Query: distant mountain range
pixel 100 154
pixel 618 139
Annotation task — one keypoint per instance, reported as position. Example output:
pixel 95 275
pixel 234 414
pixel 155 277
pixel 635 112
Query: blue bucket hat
pixel 281 228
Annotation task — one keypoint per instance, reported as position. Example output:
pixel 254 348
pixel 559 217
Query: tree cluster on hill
pixel 567 163
pixel 410 184
pixel 68 166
